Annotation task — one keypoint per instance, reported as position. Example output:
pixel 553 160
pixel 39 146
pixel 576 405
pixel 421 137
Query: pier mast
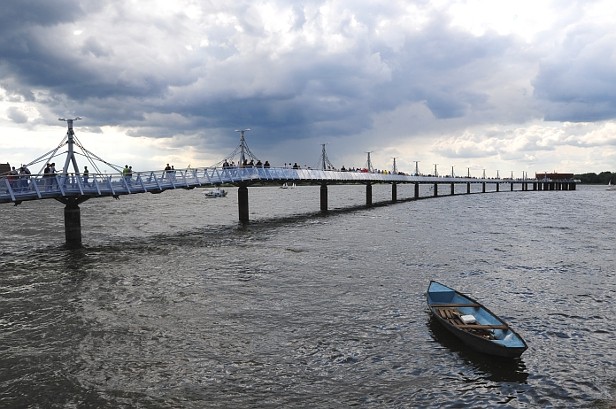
pixel 242 145
pixel 72 213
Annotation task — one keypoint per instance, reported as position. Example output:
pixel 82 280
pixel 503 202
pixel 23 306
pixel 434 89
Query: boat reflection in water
pixel 491 368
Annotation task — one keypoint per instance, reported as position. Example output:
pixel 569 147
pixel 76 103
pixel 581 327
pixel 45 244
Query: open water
pixel 172 304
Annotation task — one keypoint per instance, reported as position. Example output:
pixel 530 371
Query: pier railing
pixel 16 188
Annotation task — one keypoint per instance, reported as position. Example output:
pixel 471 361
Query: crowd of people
pixel 245 164
pixel 19 179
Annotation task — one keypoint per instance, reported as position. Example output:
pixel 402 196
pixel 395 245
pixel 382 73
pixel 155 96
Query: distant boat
pixel 215 193
pixel 472 323
pixel 285 185
pixel 610 186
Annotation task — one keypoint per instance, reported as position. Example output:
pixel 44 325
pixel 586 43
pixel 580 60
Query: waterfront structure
pixel 72 187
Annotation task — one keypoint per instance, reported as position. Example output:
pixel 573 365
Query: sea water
pixel 171 303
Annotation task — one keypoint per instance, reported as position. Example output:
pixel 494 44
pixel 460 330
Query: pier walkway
pixel 75 187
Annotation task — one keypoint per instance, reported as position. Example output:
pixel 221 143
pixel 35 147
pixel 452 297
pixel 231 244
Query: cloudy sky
pixel 524 86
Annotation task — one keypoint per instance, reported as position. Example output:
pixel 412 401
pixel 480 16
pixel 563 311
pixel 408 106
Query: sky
pixel 470 86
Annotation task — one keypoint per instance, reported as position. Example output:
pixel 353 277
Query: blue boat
pixel 475 325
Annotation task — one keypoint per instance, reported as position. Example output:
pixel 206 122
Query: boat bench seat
pixel 453 315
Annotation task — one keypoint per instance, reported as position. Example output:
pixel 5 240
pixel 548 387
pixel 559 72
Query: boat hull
pixel 488 334
pixel 215 193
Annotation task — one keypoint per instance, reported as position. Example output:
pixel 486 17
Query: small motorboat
pixel 215 193
pixel 475 325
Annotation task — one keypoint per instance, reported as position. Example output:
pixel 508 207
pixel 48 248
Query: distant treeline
pixel 602 178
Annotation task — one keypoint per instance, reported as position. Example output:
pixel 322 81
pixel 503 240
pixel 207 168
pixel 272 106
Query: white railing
pixel 14 188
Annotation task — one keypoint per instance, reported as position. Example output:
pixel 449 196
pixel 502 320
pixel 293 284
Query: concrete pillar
pixel 416 190
pixel 453 189
pixel 72 224
pixel 242 202
pixel 368 195
pixel 435 189
pixel 468 188
pixel 497 187
pixel 483 187
pixel 394 192
pixel 324 198
pixel 512 187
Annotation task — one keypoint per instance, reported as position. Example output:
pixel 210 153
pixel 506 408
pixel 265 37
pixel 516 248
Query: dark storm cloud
pixel 324 93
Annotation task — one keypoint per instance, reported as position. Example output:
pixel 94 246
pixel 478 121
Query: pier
pixel 71 187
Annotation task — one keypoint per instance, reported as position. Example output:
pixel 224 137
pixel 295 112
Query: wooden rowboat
pixel 475 325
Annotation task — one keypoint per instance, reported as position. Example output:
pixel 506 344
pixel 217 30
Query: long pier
pixel 72 188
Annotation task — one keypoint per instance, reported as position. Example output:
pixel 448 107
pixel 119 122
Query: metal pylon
pixel 71 140
pixel 325 162
pixel 243 150
pixel 369 163
pixel 70 156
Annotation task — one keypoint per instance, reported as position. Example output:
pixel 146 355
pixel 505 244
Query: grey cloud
pixel 578 82
pixel 17 116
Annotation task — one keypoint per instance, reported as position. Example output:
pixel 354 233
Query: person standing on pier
pixel 86 175
pixel 47 177
pixel 127 174
pixel 24 177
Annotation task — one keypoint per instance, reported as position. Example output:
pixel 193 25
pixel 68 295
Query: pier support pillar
pixel 453 189
pixel 72 224
pixel 324 198
pixel 394 192
pixel 497 187
pixel 416 190
pixel 468 188
pixel 483 187
pixel 512 187
pixel 435 189
pixel 242 202
pixel 368 195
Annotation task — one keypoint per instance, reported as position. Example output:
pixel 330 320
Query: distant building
pixel 553 176
pixel 4 168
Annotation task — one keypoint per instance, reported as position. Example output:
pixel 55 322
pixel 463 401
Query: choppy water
pixel 172 304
